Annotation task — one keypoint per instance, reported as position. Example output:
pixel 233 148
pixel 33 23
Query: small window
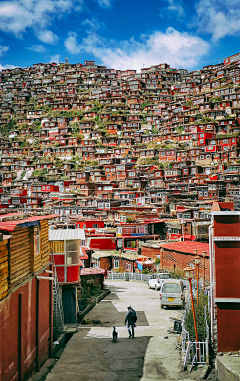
pixel 95 226
pixel 116 263
pixel 36 240
pixel 128 267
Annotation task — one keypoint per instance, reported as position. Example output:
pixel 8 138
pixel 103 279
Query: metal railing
pixel 145 278
pixel 128 276
pixel 195 352
pixel 58 314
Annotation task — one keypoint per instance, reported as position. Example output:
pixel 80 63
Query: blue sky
pixel 119 34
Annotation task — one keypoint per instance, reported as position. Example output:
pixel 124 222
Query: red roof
pixel 10 215
pixel 187 247
pixel 10 225
pixel 84 256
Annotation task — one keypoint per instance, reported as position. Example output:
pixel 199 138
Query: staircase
pixel 58 317
pixel 28 174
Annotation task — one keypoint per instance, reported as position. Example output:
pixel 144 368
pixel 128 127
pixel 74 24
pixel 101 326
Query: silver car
pixel 172 293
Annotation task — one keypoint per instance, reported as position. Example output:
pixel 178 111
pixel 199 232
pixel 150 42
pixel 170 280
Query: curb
pixel 227 370
pixel 92 304
pixel 205 372
pixel 61 342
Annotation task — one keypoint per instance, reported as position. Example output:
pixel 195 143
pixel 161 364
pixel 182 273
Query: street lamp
pixel 197 263
pixel 189 275
pixel 161 251
pixel 204 253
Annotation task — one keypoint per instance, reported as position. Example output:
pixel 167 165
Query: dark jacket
pixel 130 316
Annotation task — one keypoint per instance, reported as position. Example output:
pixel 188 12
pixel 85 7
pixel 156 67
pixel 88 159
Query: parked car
pixel 157 279
pixel 172 293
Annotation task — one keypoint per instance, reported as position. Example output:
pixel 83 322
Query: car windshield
pixel 164 276
pixel 171 287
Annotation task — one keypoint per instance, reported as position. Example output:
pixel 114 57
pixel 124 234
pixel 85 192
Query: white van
pixel 172 293
pixel 157 279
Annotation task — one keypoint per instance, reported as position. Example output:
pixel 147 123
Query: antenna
pixel 219 59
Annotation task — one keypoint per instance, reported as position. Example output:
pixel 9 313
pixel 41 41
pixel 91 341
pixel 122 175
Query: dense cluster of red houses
pixel 133 158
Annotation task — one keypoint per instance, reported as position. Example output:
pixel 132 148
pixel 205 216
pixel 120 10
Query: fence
pixel 194 352
pixel 129 276
pixel 145 278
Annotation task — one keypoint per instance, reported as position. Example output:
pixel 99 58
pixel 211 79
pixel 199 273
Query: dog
pixel 115 335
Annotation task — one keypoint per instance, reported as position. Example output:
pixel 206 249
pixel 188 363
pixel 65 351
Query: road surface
pixel 151 355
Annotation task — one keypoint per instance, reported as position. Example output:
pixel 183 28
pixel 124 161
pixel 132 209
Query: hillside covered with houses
pixel 132 158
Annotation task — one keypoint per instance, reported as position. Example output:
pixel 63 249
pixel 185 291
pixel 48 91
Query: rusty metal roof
pixel 11 225
pixel 187 247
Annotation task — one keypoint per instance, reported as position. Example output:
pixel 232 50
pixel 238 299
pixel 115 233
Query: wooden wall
pixel 3 269
pixel 22 260
pixel 45 247
pixel 57 247
pixel 19 255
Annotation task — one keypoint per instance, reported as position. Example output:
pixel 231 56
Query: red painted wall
pixel 227 275
pixel 89 224
pixel 23 344
pixel 102 243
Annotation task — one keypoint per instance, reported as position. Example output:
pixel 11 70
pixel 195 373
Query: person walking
pixel 131 319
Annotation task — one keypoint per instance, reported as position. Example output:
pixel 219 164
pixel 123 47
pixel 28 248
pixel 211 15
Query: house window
pixel 116 264
pixel 36 240
pixel 128 267
pixel 95 226
pixel 96 262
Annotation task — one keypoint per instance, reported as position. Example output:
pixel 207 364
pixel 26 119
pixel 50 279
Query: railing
pixel 195 352
pixel 58 315
pixel 145 278
pixel 128 276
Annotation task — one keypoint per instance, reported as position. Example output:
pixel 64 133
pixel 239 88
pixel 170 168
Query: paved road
pixel 91 354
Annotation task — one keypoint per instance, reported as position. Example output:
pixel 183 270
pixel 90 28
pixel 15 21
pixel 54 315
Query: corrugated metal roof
pixel 9 215
pixel 66 234
pixel 10 225
pixel 187 247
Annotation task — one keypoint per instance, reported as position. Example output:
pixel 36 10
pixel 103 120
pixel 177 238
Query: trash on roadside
pixel 177 327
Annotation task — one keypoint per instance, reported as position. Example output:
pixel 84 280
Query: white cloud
pixel 37 48
pixel 3 49
pixel 176 7
pixel 47 36
pixel 104 3
pixel 176 48
pixel 71 43
pixel 92 24
pixel 219 18
pixel 7 67
pixel 55 58
pixel 17 16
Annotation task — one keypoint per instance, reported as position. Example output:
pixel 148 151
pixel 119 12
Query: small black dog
pixel 115 335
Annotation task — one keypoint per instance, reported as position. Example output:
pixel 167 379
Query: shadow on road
pixel 108 315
